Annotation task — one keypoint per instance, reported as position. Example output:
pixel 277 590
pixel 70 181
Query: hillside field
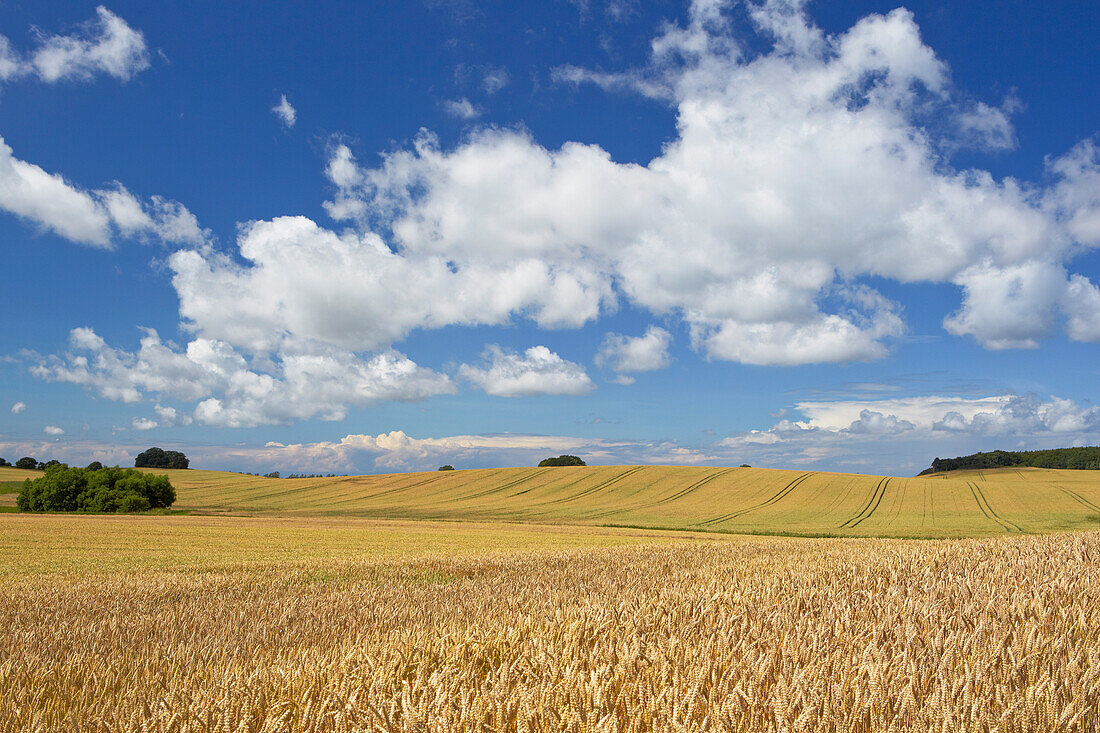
pixel 737 500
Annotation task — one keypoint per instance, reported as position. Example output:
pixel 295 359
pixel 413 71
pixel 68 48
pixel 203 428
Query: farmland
pixel 173 624
pixel 738 500
pixel 496 600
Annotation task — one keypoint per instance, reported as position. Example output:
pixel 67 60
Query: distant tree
pixel 64 489
pixel 48 464
pixel 27 463
pixel 4 463
pixel 448 467
pixel 94 466
pixel 562 461
pixel 157 458
pixel 745 465
pixel 273 474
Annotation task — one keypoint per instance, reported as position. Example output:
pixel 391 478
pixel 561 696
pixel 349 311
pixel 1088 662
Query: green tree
pixel 562 461
pixel 64 489
pixel 448 467
pixel 26 462
pixel 157 458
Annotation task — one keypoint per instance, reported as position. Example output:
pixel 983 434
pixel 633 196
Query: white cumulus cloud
pixel 231 391
pixel 538 371
pixel 53 430
pixel 796 173
pixel 645 353
pixel 90 217
pixel 18 407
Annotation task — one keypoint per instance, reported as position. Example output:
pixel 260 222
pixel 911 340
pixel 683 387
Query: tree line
pixel 28 463
pixel 1074 458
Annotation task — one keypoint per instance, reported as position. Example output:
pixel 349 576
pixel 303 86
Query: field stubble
pixel 739 634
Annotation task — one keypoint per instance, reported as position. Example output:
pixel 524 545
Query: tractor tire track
pixel 988 510
pixel 859 516
pixel 881 493
pixel 778 496
pixel 901 501
pixel 679 494
pixel 397 489
pixel 597 487
pixel 1078 498
pixel 503 487
pixel 697 485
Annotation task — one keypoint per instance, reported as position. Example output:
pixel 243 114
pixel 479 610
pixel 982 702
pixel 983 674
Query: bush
pixel 562 461
pixel 134 503
pixel 157 458
pixel 26 462
pixel 448 467
pixel 65 489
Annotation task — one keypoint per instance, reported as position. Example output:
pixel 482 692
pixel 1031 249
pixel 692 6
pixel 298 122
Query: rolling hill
pixel 741 500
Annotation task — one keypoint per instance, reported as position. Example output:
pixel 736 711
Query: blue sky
pixel 347 237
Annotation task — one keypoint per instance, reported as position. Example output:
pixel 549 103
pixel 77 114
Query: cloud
pixel 929 418
pixel 90 217
pixel 800 174
pixel 285 112
pixel 875 423
pixel 921 412
pixel 1081 303
pixel 142 423
pixel 899 436
pixel 170 416
pixel 461 109
pixel 49 201
pixel 538 371
pixel 397 450
pixel 494 78
pixel 352 291
pixel 53 430
pixel 644 353
pixel 168 221
pixel 759 225
pixel 297 384
pixel 18 407
pixel 104 45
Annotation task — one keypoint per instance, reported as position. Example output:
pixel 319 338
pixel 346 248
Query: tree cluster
pixel 64 489
pixel 29 464
pixel 1075 458
pixel 447 467
pixel 157 458
pixel 276 474
pixel 562 461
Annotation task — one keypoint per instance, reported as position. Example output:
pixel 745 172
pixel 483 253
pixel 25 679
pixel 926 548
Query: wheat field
pixel 696 498
pixel 661 634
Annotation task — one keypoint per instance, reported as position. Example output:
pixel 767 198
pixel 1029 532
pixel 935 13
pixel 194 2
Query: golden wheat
pixel 760 634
